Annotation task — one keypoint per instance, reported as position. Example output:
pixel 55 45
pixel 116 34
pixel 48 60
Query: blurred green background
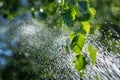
pixel 107 10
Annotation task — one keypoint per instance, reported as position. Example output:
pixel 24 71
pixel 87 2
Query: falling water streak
pixel 107 65
pixel 51 61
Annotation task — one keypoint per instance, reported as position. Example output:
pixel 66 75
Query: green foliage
pixel 107 10
pixel 69 13
pixel 78 37
pixel 83 6
pixel 66 16
pixel 92 12
pixel 77 15
pixel 80 15
pixel 86 27
pixel 77 43
pixel 92 54
pixel 80 62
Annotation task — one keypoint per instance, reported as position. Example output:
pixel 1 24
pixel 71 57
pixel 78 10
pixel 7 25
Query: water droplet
pixel 41 10
pixel 105 22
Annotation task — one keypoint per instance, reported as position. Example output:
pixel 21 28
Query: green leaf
pixel 92 12
pixel 86 27
pixel 77 43
pixel 73 13
pixel 92 53
pixel 66 16
pixel 80 62
pixel 83 6
pixel 84 17
pixel 72 35
pixel 49 8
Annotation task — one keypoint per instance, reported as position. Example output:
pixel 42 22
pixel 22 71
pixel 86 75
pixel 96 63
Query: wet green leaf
pixel 66 16
pixel 72 35
pixel 50 8
pixel 92 12
pixel 83 6
pixel 86 27
pixel 80 62
pixel 92 53
pixel 83 17
pixel 82 73
pixel 73 13
pixel 77 43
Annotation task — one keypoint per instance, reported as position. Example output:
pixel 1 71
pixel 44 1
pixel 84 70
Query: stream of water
pixel 30 39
